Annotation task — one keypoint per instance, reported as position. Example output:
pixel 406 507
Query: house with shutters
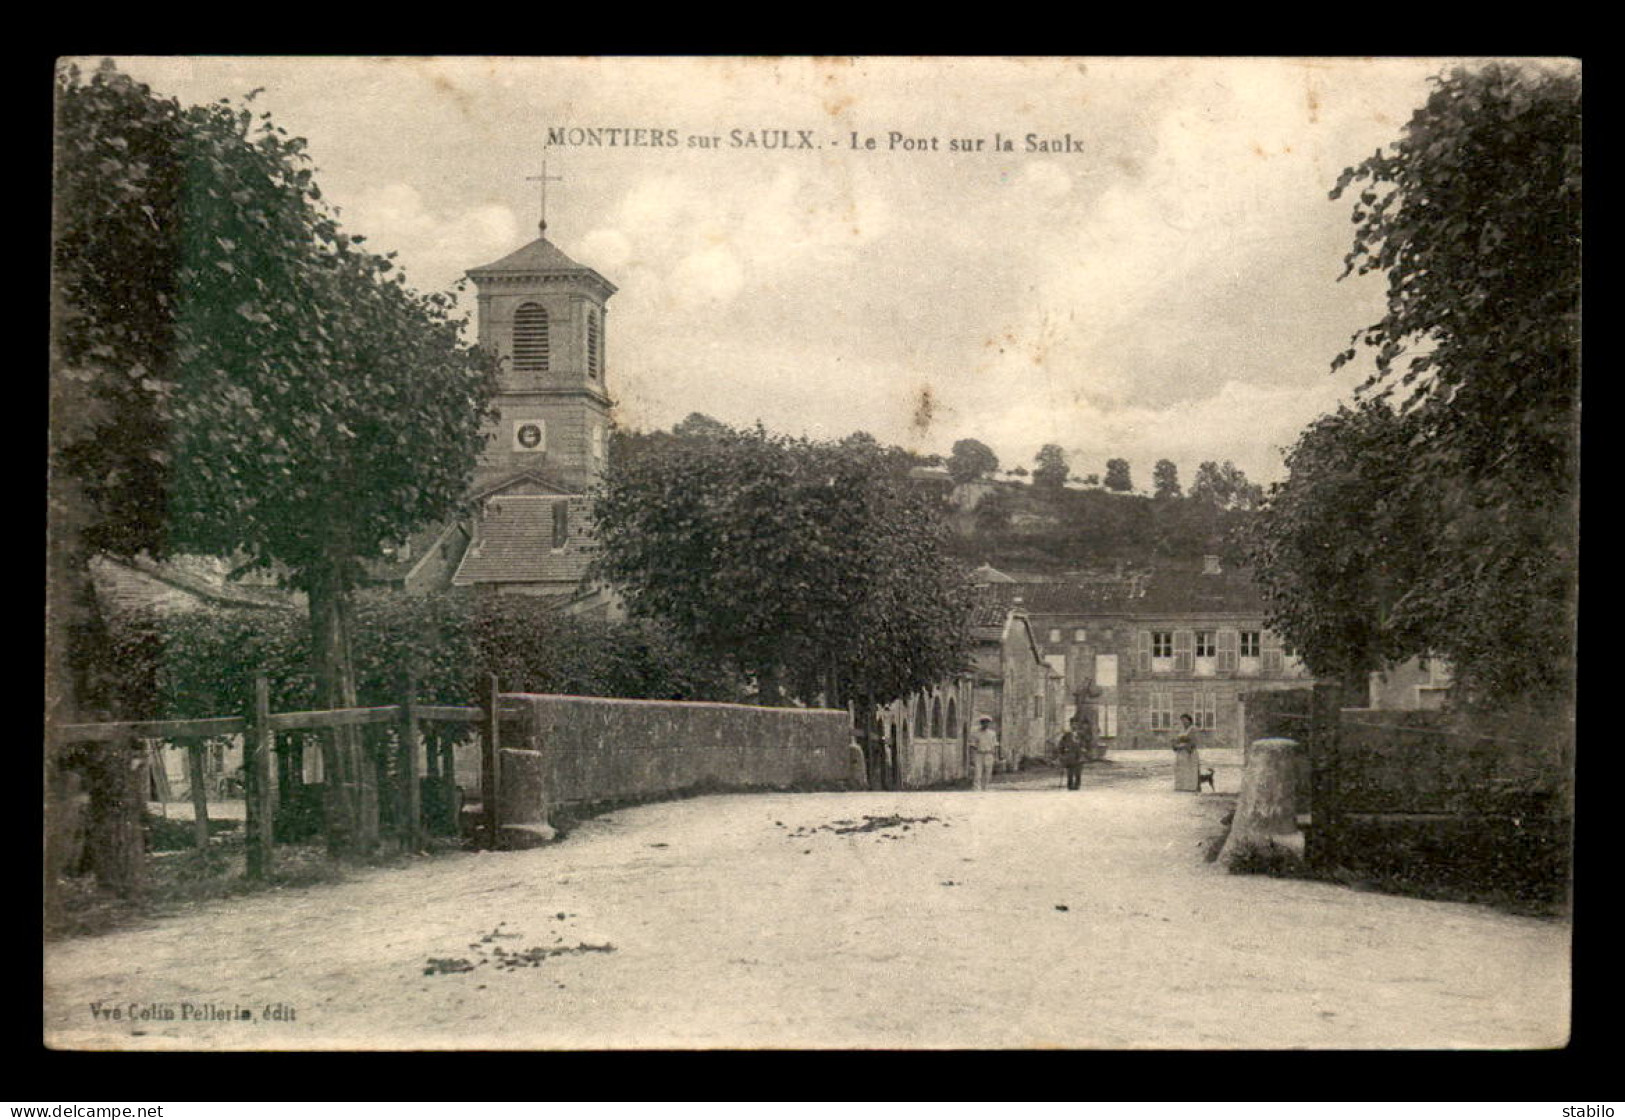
pixel 1137 650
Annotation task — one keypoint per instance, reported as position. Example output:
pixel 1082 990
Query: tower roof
pixel 540 255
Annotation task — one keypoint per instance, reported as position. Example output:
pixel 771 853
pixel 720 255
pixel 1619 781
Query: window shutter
pixel 1270 642
pixel 1183 642
pixel 1228 643
pixel 530 341
pixel 1145 651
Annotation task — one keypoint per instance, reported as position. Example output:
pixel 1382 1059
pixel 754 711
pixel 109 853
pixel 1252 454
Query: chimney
pixel 1210 565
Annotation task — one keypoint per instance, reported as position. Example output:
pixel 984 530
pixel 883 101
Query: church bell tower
pixel 546 317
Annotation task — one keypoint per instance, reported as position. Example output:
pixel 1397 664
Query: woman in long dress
pixel 1187 761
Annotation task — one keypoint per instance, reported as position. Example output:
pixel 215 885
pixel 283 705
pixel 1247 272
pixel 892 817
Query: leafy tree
pixel 1342 541
pixel 698 424
pixel 1165 479
pixel 814 568
pixel 1051 472
pixel 1225 487
pixel 234 375
pixel 971 459
pixel 1117 476
pixel 1474 214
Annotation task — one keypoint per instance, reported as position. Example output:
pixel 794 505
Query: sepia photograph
pixel 852 553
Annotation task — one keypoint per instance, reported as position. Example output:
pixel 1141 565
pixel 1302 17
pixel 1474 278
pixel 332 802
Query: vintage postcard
pixel 861 529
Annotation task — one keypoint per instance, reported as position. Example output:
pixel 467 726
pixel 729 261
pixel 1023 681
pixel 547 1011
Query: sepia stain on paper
pixel 924 410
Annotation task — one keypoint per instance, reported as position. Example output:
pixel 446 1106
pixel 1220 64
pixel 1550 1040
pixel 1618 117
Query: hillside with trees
pixel 1047 520
pixel 1047 528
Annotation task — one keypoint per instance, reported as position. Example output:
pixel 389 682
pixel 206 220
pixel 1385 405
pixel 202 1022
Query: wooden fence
pixel 259 728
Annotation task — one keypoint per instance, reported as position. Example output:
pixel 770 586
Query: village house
pixel 927 735
pixel 1136 650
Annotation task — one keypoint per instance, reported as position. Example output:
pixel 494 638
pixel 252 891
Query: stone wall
pixel 1441 797
pixel 595 749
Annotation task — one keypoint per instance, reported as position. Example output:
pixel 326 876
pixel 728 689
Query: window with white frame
pixel 1251 643
pixel 1205 712
pixel 1207 652
pixel 1162 651
pixel 1162 711
pixel 1080 635
pixel 1055 637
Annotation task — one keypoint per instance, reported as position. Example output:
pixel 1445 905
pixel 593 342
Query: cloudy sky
pixel 1163 285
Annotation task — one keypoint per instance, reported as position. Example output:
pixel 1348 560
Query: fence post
pixel 1320 843
pixel 408 796
pixel 490 772
pixel 195 777
pixel 257 783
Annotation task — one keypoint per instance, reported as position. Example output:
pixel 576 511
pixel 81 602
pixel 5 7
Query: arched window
pixel 922 721
pixel 594 345
pixel 936 718
pixel 530 343
pixel 953 719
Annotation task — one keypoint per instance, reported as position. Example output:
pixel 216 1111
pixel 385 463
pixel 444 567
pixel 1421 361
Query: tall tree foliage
pixel 1117 475
pixel 971 459
pixel 234 375
pixel 815 568
pixel 1165 479
pixel 1052 471
pixel 1225 486
pixel 1474 215
pixel 1343 540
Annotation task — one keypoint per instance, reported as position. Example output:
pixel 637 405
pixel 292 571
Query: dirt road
pixel 1022 917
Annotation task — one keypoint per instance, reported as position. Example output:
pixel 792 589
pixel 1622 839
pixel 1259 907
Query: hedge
pixel 203 662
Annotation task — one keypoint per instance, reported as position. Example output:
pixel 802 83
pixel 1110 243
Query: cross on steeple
pixel 544 178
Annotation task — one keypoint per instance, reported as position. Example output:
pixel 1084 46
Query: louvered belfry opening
pixel 592 344
pixel 530 343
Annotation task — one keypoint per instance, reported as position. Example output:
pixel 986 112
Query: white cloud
pixel 435 247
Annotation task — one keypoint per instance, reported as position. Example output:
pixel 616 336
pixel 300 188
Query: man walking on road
pixel 1075 746
pixel 984 747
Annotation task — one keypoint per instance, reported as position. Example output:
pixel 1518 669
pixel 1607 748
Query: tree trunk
pixel 351 783
pixel 116 777
pixel 1265 823
pixel 74 633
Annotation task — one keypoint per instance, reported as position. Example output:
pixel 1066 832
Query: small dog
pixel 1205 774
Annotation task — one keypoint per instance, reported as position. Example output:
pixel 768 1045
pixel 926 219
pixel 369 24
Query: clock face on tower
pixel 529 435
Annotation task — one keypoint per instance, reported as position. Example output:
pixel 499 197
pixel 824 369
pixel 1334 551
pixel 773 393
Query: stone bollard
pixel 522 800
pixel 1264 831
